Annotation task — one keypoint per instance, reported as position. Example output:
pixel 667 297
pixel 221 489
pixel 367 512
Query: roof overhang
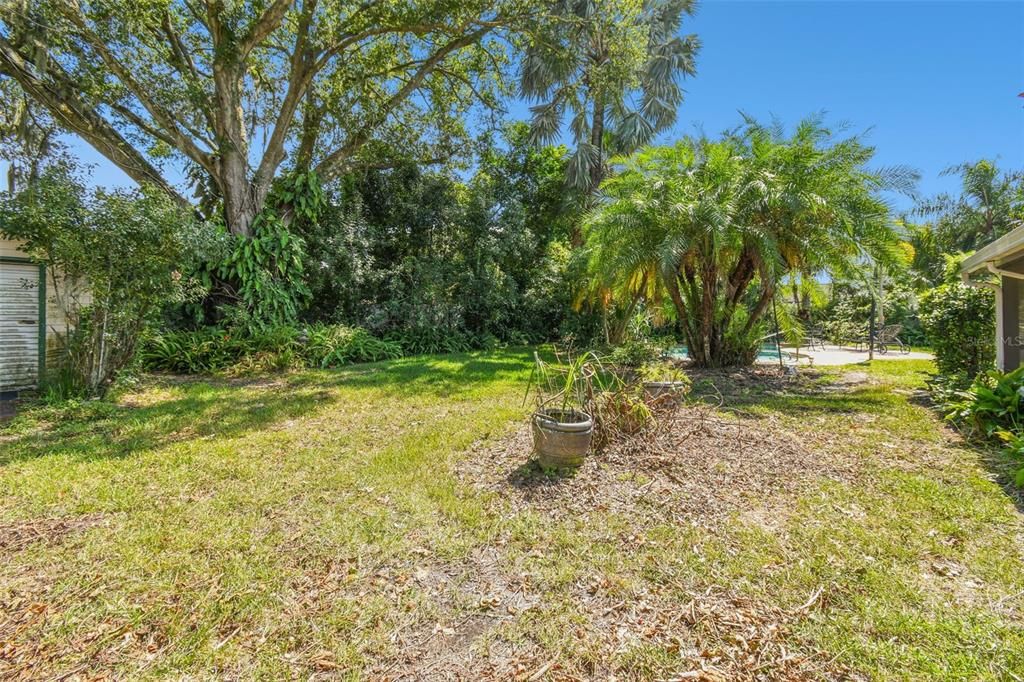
pixel 1008 247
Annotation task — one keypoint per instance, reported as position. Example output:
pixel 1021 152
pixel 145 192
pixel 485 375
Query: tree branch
pixel 268 22
pixel 66 105
pixel 161 116
pixel 300 75
pixel 330 165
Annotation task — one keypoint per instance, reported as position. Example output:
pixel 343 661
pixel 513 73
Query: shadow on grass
pixel 210 406
pixel 117 431
pixel 442 376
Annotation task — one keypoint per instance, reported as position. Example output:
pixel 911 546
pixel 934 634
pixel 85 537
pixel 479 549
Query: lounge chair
pixel 815 338
pixel 884 338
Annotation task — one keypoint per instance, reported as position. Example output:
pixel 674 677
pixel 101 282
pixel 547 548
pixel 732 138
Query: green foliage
pixel 960 324
pixel 637 346
pixel 990 204
pixel 359 82
pixel 571 384
pixel 613 67
pixel 270 348
pixel 993 404
pixel 429 340
pixel 441 264
pixel 993 407
pixel 301 194
pixel 664 371
pixel 116 259
pixel 267 273
pixel 635 352
pixel 846 316
pixel 336 345
pixel 715 225
pixel 29 137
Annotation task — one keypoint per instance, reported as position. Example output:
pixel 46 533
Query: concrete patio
pixel 846 355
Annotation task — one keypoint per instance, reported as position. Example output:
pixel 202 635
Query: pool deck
pixel 836 355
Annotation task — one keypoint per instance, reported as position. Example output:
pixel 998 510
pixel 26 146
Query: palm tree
pixel 614 67
pixel 991 203
pixel 719 224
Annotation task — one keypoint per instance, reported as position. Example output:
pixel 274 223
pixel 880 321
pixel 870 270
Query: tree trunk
pixel 709 284
pixel 881 297
pixel 672 284
pixel 243 199
pixel 597 141
pixel 240 208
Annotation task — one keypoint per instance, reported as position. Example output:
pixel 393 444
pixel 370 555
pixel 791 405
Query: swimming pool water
pixel 769 352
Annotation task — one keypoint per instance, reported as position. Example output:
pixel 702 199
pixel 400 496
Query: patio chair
pixel 815 338
pixel 885 337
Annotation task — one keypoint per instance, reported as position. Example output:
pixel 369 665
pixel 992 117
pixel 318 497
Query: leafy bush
pixel 428 340
pixel 334 345
pixel 960 324
pixel 635 353
pixel 993 407
pixel 116 259
pixel 443 263
pixel 275 348
pixel 267 273
pixel 993 404
pixel 194 352
pixel 664 371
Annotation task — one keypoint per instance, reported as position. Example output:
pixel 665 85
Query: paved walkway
pixel 834 355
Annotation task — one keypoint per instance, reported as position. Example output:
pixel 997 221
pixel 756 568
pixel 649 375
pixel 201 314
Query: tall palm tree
pixel 721 223
pixel 990 204
pixel 614 67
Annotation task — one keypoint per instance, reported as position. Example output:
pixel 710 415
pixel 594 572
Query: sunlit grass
pixel 274 528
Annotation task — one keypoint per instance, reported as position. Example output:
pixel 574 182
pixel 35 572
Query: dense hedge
pixel 960 324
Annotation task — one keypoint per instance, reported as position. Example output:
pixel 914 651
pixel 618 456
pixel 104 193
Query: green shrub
pixel 993 408
pixel 266 271
pixel 271 349
pixel 993 403
pixel 664 371
pixel 122 255
pixel 960 324
pixel 334 345
pixel 193 352
pixel 425 340
pixel 635 352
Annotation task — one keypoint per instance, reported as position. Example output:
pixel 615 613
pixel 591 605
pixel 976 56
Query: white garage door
pixel 19 325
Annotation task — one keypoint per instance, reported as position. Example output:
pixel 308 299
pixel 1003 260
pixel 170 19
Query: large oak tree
pixel 236 92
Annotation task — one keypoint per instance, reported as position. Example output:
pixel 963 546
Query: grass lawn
pixel 378 522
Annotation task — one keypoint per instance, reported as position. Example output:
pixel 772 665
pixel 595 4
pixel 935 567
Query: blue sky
pixel 935 81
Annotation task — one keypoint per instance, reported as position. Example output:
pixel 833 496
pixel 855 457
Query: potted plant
pixel 563 427
pixel 663 381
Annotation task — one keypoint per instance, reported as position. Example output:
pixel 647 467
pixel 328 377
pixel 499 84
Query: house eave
pixel 1008 247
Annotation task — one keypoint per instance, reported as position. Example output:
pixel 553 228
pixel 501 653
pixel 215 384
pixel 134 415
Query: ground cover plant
pixel 281 347
pixel 381 521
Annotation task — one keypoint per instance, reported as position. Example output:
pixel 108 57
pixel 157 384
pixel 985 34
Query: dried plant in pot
pixel 664 382
pixel 563 427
